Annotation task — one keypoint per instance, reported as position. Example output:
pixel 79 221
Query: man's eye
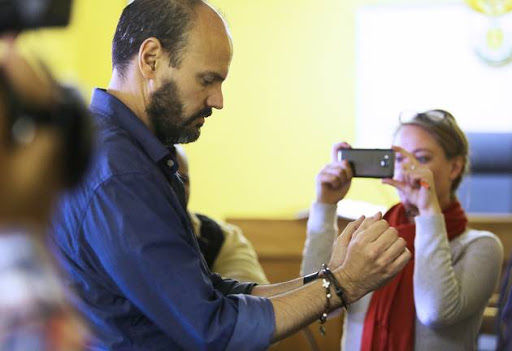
pixel 207 81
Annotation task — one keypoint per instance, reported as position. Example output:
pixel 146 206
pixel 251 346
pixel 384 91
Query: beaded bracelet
pixel 326 284
pixel 326 272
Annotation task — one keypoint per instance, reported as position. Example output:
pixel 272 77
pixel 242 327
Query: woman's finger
pixel 400 185
pixel 336 148
pixel 411 163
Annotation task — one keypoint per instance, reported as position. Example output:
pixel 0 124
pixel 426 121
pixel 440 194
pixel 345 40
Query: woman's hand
pixel 333 181
pixel 415 182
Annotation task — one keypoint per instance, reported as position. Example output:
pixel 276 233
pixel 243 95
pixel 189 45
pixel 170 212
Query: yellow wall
pixel 289 97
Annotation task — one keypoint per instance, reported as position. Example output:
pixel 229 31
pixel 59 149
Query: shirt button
pixel 170 163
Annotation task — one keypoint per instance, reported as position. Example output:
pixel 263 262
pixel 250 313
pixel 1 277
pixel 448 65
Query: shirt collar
pixel 109 107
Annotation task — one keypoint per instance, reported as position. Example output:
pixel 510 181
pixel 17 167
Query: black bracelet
pixel 308 278
pixel 326 272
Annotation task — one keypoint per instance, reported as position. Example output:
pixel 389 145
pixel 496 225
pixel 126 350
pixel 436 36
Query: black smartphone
pixel 370 163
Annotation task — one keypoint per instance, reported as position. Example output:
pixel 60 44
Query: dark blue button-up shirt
pixel 131 256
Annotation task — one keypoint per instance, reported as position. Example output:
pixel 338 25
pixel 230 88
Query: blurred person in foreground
pixel 33 312
pixel 224 246
pixel 124 236
pixel 437 301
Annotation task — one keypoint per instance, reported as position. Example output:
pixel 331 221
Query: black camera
pixel 68 113
pixel 16 15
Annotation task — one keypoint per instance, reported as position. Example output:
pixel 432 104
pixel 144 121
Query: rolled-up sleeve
pixel 142 244
pixel 250 331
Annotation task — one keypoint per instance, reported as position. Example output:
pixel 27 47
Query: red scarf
pixel 391 316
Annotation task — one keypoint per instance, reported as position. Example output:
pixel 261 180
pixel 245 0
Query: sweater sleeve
pixel 322 230
pixel 448 289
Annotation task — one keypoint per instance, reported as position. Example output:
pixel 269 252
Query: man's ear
pixel 457 167
pixel 150 55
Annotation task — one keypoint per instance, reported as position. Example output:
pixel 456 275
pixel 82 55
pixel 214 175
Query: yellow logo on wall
pixel 491 7
pixel 493 42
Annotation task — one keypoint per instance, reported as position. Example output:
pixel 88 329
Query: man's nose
pixel 216 99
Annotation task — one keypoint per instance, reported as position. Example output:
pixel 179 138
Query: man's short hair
pixel 167 20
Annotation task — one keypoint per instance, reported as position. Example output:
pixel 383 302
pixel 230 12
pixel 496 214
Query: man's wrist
pixel 326 274
pixel 352 293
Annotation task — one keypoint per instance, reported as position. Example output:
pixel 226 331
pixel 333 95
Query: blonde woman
pixel 437 301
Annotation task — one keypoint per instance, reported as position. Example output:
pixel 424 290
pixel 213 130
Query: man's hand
pixel 374 255
pixel 333 181
pixel 339 251
pixel 366 255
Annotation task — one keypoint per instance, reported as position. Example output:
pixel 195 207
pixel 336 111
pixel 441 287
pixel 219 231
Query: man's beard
pixel 165 112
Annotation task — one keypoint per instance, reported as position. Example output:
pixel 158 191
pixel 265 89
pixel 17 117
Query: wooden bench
pixel 279 244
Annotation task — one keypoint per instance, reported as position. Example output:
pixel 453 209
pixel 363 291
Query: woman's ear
pixel 150 53
pixel 458 164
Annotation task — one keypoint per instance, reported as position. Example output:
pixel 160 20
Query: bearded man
pixel 124 236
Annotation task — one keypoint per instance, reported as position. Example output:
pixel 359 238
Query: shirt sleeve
pixel 237 258
pixel 322 230
pixel 228 286
pixel 142 240
pixel 449 289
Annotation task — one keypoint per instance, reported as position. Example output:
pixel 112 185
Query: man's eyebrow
pixel 215 75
